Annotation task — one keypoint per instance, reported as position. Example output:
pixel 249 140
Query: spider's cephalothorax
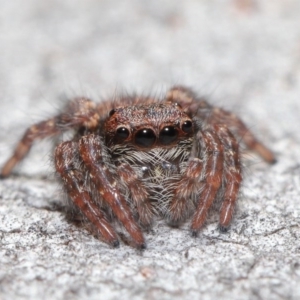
pixel 133 158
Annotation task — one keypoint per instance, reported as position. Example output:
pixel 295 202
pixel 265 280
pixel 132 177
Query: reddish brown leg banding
pixel 33 133
pixel 232 176
pixel 138 194
pixel 73 180
pixel 187 99
pixel 213 177
pixel 236 125
pixel 91 150
pixel 80 112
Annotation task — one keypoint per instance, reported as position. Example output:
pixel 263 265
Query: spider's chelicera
pixel 135 158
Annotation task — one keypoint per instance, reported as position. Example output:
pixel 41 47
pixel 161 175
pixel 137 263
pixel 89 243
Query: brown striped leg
pixel 213 176
pixel 220 116
pixel 187 99
pixel 232 176
pixel 67 165
pixel 181 203
pixel 138 194
pixel 79 112
pixel 92 152
pixel 38 131
pixel 199 107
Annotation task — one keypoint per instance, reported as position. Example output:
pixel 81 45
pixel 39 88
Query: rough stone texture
pixel 244 55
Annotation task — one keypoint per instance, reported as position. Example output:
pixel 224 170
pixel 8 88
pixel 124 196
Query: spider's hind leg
pixel 197 107
pixel 36 131
pixel 187 99
pixel 79 112
pixel 237 126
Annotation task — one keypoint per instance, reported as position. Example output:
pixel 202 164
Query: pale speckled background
pixel 242 54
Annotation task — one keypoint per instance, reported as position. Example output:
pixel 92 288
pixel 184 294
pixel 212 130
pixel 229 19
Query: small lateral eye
pixel 145 137
pixel 187 126
pixel 112 112
pixel 168 135
pixel 122 133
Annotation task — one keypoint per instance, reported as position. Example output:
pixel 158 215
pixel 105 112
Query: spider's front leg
pixel 214 164
pixel 95 158
pixel 68 166
pixel 212 151
pixel 222 167
pixel 232 177
pixel 201 181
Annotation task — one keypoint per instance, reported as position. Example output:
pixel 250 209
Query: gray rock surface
pixel 242 54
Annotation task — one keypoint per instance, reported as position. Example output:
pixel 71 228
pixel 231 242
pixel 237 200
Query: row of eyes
pixel 146 137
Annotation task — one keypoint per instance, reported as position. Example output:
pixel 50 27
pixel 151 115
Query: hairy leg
pixel 213 169
pixel 187 99
pixel 236 125
pixel 67 163
pixel 79 112
pixel 94 156
pixel 232 176
pixel 198 107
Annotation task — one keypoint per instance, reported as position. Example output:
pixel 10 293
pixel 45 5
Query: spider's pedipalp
pixel 67 163
pixel 185 190
pixel 138 194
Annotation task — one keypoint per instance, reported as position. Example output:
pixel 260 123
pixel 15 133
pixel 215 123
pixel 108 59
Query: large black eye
pixel 145 137
pixel 187 126
pixel 122 133
pixel 168 135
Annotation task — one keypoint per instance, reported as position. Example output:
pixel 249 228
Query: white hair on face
pixel 159 169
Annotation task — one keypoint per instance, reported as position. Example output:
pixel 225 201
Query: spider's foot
pixel 141 246
pixel 2 176
pixel 174 224
pixel 115 244
pixel 273 161
pixel 223 229
pixel 194 233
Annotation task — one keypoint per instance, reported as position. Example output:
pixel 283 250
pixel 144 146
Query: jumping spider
pixel 133 158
